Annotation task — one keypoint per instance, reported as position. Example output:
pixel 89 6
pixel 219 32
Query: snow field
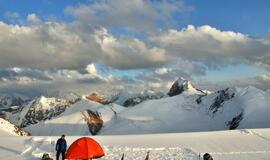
pixel 246 144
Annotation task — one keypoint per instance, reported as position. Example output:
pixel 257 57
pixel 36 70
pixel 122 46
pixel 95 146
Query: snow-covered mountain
pixel 192 110
pixel 39 109
pixel 186 108
pixel 6 129
pixel 82 118
pixel 128 99
pixel 9 100
pixel 181 85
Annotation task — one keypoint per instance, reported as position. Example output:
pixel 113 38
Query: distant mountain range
pixel 184 108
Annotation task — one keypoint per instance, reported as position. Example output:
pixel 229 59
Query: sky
pixel 54 47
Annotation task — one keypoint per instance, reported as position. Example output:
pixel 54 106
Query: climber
pixel 61 147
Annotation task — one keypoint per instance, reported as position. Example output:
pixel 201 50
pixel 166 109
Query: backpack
pixel 207 156
pixel 46 156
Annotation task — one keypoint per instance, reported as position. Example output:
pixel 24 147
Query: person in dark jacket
pixel 61 147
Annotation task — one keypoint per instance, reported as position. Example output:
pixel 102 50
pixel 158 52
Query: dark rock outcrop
pixel 128 100
pixel 94 121
pixel 199 99
pixel 21 132
pixel 42 109
pixel 139 99
pixel 234 123
pixel 97 98
pixel 223 95
pixel 178 87
pixel 12 129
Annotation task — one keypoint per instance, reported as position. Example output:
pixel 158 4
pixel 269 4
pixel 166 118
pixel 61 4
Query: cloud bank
pixel 124 36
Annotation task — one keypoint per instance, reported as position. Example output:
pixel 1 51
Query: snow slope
pixel 9 100
pixel 72 121
pixel 8 129
pixel 222 145
pixel 222 110
pixel 131 99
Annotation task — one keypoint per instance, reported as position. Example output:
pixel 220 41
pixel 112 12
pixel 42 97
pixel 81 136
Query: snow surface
pixel 222 145
pixel 181 113
pixel 8 129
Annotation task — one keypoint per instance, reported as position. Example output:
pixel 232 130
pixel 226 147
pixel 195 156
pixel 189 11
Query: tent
pixel 84 148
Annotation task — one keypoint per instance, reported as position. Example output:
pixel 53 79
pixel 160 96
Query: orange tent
pixel 84 148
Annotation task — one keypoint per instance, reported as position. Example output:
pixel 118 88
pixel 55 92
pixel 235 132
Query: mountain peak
pixel 181 85
pixel 42 100
pixel 97 98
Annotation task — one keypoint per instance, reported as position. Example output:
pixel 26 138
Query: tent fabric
pixel 84 148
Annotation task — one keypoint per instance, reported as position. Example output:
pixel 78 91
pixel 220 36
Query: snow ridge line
pixel 249 152
pixel 260 135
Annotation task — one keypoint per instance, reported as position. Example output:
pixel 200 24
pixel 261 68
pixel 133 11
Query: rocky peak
pixel 42 108
pixel 181 85
pixel 97 98
pixel 222 96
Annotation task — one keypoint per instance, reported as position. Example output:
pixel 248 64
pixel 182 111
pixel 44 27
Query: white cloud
pixel 213 47
pixel 91 69
pixel 134 15
pixel 52 45
pixel 162 70
pixel 33 19
pixel 128 53
pixel 42 52
pixel 13 17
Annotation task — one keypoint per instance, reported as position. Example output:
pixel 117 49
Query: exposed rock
pixel 178 87
pixel 181 85
pixel 21 132
pixel 139 99
pixel 94 121
pixel 120 98
pixel 97 98
pixel 42 109
pixel 199 99
pixel 234 123
pixel 125 99
pixel 12 129
pixel 223 95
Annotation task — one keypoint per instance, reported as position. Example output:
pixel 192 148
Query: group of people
pixel 61 147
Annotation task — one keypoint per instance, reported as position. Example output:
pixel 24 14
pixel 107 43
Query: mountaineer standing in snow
pixel 61 147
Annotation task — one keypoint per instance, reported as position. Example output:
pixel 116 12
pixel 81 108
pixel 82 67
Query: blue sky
pixel 43 8
pixel 245 16
pixel 135 38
